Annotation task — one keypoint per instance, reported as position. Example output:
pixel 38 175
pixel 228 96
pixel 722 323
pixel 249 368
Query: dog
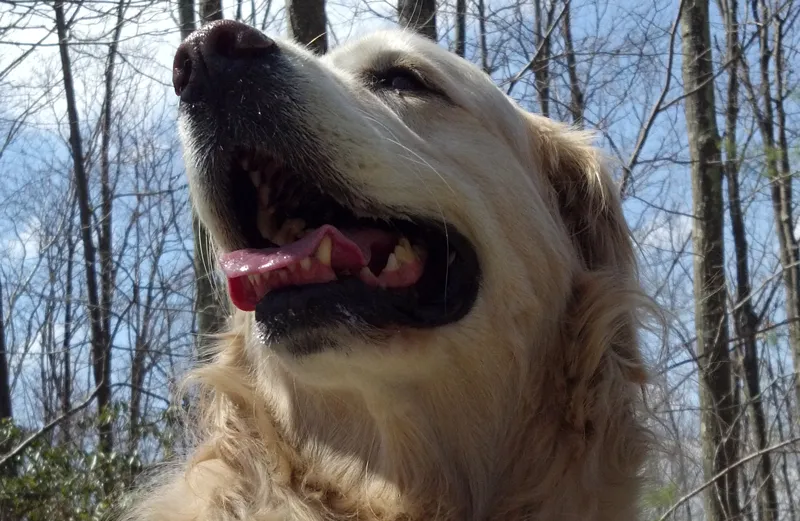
pixel 436 302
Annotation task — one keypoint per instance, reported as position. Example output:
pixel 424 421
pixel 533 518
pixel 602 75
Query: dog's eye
pixel 399 79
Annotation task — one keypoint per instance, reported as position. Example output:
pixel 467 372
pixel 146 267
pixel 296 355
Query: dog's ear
pixel 585 194
pixel 606 293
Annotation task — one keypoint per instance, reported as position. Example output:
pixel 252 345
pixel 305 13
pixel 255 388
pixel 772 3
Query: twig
pixel 711 481
pixel 47 428
pixel 513 81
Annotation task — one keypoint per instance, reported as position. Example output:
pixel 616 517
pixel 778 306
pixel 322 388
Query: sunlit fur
pixel 527 408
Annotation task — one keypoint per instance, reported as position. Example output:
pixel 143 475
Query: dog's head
pixel 386 211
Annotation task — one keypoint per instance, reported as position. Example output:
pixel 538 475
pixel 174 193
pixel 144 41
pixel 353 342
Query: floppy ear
pixel 606 293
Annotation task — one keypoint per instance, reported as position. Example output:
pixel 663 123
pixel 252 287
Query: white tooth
pixel 324 251
pixel 451 258
pixel 366 272
pixel 391 264
pixel 265 277
pixel 263 194
pixel 292 267
pixel 305 263
pixel 404 253
pixel 255 177
pixel 253 280
pixel 419 252
pixel 283 276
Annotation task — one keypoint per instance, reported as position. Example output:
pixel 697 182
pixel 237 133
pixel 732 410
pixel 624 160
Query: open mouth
pixel 310 252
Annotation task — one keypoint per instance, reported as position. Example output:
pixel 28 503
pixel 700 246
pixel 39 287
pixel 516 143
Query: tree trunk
pixel 787 216
pixel 576 103
pixel 186 17
pixel 9 470
pixel 308 23
pixel 746 318
pixel 99 352
pixel 482 36
pixel 419 15
pixel 5 385
pixel 210 10
pixel 461 27
pixel 541 66
pixel 66 391
pixel 718 411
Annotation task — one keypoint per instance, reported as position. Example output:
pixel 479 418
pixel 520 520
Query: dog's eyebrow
pixel 388 59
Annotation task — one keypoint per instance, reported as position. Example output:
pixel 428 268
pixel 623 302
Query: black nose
pixel 216 49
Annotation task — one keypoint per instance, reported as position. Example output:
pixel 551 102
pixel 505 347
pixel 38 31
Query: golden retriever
pixel 435 291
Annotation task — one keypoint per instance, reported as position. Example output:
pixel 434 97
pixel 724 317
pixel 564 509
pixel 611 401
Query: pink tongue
pixel 350 250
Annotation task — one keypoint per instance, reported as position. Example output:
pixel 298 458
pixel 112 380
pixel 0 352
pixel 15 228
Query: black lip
pixel 301 318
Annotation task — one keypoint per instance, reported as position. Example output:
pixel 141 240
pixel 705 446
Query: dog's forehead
pixel 383 48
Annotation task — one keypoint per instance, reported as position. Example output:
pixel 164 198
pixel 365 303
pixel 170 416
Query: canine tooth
pixel 253 280
pixel 324 251
pixel 263 194
pixel 451 258
pixel 305 263
pixel 391 264
pixel 404 253
pixel 366 272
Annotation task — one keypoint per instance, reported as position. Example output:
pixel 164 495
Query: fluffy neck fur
pixel 554 442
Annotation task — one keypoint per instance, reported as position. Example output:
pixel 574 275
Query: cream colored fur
pixel 526 409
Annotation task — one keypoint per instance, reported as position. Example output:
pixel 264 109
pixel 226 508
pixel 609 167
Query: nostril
pixel 235 40
pixel 181 70
pixel 223 47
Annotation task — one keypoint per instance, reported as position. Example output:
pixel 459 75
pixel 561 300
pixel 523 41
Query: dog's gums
pixel 320 256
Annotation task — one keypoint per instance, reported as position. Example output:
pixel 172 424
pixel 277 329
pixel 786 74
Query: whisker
pixel 422 179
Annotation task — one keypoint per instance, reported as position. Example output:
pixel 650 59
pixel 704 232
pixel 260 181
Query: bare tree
pixel 101 356
pixel 307 23
pixel 461 27
pixel 210 10
pixel 419 15
pixel 718 412
pixel 746 320
pixel 576 104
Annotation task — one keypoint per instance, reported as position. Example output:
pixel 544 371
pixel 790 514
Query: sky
pixel 149 42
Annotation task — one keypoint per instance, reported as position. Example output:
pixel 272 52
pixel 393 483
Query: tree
pixel 461 27
pixel 419 15
pixel 746 320
pixel 100 338
pixel 718 411
pixel 307 23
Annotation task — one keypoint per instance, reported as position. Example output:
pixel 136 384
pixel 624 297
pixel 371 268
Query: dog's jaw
pixel 424 451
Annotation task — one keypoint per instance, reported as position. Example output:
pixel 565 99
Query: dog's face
pixel 383 209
